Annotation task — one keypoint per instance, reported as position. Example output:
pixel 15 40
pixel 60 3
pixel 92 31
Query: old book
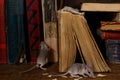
pixel 117 17
pixel 80 36
pixel 92 1
pixel 110 26
pixel 78 3
pixel 15 25
pixel 3 47
pixel 106 7
pixel 33 28
pixel 67 46
pixel 115 35
pixel 112 51
pixel 49 8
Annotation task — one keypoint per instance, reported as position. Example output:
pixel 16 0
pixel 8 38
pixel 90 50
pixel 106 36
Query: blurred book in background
pixel 3 47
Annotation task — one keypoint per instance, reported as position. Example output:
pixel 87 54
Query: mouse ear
pixel 83 67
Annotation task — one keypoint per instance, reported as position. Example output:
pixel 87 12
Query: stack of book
pixel 110 30
pixel 74 33
pixel 110 33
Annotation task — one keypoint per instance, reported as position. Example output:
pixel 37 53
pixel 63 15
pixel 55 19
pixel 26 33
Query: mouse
pixel 41 59
pixel 72 10
pixel 79 69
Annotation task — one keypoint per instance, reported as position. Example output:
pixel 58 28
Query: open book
pixel 74 33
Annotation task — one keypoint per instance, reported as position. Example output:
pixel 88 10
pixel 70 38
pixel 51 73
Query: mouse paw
pixel 74 75
pixel 84 75
pixel 44 69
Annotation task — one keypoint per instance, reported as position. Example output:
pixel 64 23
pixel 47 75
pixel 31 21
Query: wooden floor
pixel 11 72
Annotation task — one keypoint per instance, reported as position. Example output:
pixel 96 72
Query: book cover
pixel 100 1
pixel 113 51
pixel 73 28
pixel 90 5
pixel 33 26
pixel 100 7
pixel 3 48
pixel 14 22
pixel 110 26
pixel 67 46
pixel 115 35
pixel 49 9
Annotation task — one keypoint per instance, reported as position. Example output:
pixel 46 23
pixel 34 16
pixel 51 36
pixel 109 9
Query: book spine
pixel 3 48
pixel 49 12
pixel 113 51
pixel 109 23
pixel 110 35
pixel 14 18
pixel 70 2
pixel 33 23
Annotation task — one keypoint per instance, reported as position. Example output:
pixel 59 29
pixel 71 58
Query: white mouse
pixel 41 59
pixel 72 10
pixel 78 69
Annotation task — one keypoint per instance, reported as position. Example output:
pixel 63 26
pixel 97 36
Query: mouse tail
pixel 61 74
pixel 27 70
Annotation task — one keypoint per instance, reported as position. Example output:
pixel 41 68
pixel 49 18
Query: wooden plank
pixel 105 7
